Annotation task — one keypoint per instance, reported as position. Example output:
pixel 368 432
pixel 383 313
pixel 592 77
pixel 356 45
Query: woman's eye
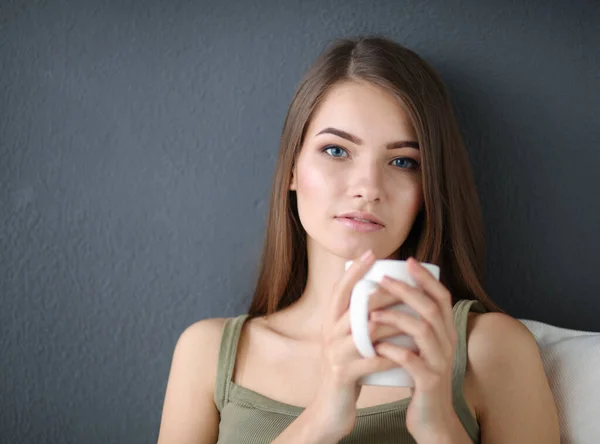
pixel 336 151
pixel 403 162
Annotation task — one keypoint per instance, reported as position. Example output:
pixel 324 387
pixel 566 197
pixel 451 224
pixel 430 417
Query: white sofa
pixel 572 364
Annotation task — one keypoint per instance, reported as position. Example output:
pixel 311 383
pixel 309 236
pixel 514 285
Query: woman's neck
pixel 305 316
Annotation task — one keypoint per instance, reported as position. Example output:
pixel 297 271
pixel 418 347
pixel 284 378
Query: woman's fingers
pixel 362 367
pixel 377 332
pixel 343 288
pixel 435 289
pixel 381 298
pixel 427 307
pixel 348 361
pixel 422 333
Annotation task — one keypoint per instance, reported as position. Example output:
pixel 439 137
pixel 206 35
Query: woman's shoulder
pixel 198 348
pixel 203 330
pixel 492 338
pixel 498 347
pixel 202 338
pixel 491 332
pixel 189 409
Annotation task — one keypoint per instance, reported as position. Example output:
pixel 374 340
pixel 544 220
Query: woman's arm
pixel 514 402
pixel 189 412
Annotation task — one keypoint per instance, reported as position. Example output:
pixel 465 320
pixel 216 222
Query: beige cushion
pixel 572 364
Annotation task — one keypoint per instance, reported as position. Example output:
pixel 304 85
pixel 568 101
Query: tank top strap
pixel 227 354
pixel 461 313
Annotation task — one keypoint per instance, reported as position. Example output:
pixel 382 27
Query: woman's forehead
pixel 365 110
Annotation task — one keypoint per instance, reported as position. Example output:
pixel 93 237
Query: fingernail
pixel 366 256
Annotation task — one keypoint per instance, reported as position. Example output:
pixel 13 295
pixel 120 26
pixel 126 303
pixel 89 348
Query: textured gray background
pixel 138 142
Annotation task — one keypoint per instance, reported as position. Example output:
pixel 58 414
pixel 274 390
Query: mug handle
pixel 359 317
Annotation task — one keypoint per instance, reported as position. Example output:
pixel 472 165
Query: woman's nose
pixel 368 183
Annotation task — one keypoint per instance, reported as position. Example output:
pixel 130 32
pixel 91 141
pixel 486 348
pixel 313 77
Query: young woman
pixel 371 161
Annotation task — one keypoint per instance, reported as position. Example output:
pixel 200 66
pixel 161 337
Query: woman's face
pixel 334 175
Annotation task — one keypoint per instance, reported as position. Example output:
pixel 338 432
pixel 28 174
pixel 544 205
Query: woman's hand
pixel 342 365
pixel 430 413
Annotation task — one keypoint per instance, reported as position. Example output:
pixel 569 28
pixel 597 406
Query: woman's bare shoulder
pixel 491 336
pixel 484 329
pixel 197 350
pixel 203 330
pixel 200 342
pixel 510 381
pixel 189 412
pixel 492 339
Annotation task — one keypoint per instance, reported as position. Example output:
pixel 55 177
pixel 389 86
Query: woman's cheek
pixel 412 195
pixel 316 179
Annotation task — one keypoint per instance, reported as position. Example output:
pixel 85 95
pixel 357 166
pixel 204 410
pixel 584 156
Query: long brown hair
pixel 449 230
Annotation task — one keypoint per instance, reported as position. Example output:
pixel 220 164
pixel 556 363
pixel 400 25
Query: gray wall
pixel 137 147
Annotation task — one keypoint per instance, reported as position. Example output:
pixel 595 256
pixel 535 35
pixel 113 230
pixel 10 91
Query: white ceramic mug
pixel 359 318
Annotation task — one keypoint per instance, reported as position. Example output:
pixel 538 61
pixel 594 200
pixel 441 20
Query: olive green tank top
pixel 247 417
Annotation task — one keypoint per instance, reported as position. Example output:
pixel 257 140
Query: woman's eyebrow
pixel 358 141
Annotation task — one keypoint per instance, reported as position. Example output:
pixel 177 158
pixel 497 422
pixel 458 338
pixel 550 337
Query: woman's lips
pixel 363 227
